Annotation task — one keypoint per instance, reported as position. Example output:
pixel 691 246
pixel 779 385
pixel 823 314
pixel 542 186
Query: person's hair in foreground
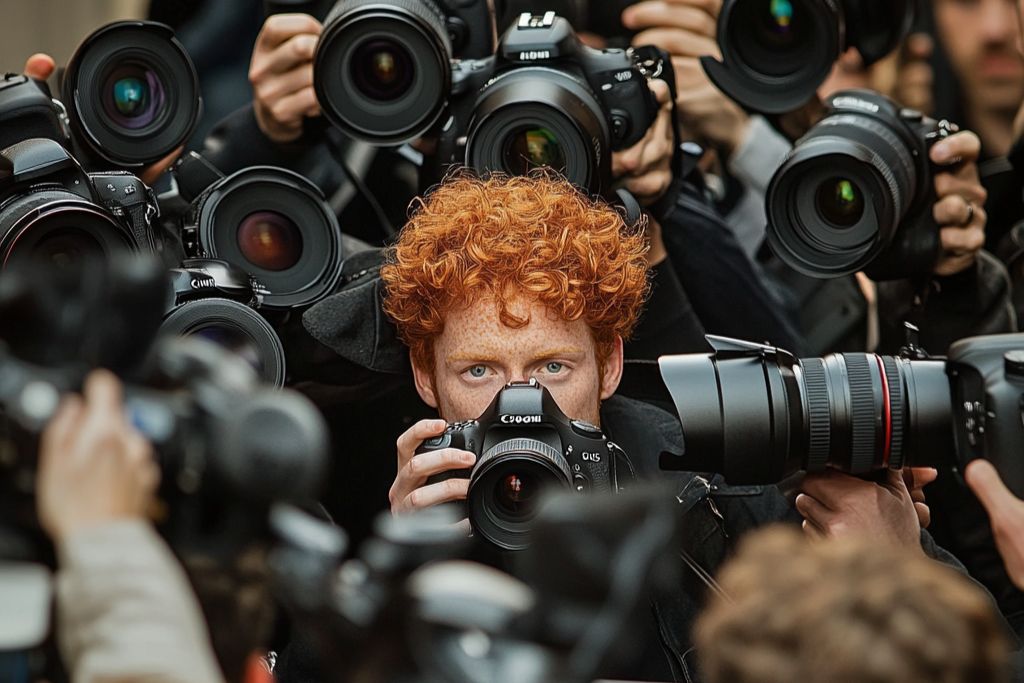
pixel 844 612
pixel 508 237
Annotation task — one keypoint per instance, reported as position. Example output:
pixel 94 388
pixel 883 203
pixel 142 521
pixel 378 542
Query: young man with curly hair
pixel 507 279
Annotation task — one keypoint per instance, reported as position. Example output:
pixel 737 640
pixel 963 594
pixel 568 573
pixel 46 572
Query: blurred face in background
pixel 981 38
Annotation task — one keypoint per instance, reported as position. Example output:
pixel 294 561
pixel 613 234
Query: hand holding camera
pixel 839 505
pixel 94 467
pixel 410 490
pixel 1006 513
pixel 959 198
pixel 281 74
pixel 687 29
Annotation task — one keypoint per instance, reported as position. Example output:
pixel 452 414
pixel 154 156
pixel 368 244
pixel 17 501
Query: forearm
pixel 126 611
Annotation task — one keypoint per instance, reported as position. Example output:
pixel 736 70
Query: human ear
pixel 612 370
pixel 424 379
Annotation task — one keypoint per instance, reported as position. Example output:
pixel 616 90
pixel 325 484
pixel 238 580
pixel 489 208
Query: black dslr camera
pixel 54 212
pixel 856 412
pixel 856 192
pixel 381 70
pixel 525 446
pixel 547 100
pixel 775 53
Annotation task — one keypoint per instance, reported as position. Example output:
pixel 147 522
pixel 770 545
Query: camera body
pixel 546 99
pixel 28 111
pixel 51 208
pixel 219 302
pixel 525 444
pixel 856 192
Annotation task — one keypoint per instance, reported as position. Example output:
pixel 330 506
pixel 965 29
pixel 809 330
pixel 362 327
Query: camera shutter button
pixel 584 428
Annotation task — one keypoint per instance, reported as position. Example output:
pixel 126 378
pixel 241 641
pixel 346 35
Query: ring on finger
pixel 970 214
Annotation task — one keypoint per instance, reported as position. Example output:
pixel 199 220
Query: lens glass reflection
pixel 382 70
pixel 531 148
pixel 840 202
pixel 133 96
pixel 270 240
pixel 233 340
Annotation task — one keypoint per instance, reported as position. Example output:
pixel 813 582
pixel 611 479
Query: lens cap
pixel 132 93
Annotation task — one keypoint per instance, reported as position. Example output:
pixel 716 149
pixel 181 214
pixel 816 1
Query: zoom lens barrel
pixel 381 70
pixel 277 226
pixel 841 199
pixel 132 93
pixel 234 327
pixel 528 118
pixel 756 414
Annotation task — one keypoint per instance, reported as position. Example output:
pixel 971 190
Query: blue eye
pixel 554 367
pixel 478 370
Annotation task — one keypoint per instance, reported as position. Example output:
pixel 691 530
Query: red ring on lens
pixel 886 413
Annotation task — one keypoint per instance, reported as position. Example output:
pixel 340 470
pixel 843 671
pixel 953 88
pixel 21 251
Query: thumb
pixel 40 66
pixel 984 480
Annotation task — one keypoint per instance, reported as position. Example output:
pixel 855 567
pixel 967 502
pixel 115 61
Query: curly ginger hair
pixel 533 236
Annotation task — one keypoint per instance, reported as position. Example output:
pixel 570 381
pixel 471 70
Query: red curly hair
pixel 535 236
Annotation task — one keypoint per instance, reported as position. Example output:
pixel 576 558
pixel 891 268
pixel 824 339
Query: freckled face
pixel 477 355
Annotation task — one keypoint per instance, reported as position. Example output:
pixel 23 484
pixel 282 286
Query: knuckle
pixel 415 498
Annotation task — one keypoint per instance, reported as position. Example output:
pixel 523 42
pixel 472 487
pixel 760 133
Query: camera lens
pixel 506 485
pixel 277 226
pixel 530 118
pixel 531 148
pixel 382 68
pixel 59 228
pixel 761 415
pixel 270 241
pixel 236 328
pixel 132 93
pixel 133 96
pixel 840 202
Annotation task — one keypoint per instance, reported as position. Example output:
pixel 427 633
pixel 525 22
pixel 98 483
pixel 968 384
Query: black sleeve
pixel 668 324
pixel 728 292
pixel 973 302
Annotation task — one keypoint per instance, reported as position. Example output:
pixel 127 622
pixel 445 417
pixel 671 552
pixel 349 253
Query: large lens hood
pixel 172 89
pixel 743 73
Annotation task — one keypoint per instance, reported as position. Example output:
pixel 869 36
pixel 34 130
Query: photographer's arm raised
pixel 125 610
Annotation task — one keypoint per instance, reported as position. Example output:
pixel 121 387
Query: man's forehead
pixel 477 332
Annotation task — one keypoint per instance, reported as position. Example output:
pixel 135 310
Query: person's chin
pixel 1002 92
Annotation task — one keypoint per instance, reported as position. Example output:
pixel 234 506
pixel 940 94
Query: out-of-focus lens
pixel 383 70
pixel 133 96
pixel 840 202
pixel 270 240
pixel 67 248
pixel 531 148
pixel 233 340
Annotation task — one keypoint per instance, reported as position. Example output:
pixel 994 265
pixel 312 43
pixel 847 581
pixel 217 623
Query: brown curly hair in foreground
pixel 844 611
pixel 535 236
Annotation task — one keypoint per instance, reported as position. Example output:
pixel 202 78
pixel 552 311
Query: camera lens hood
pixel 277 226
pixel 407 40
pixel 132 93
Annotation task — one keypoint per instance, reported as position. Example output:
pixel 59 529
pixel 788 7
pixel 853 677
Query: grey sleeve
pixel 753 164
pixel 126 611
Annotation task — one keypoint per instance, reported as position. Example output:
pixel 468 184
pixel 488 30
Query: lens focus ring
pixel 819 431
pixel 862 412
pixel 896 412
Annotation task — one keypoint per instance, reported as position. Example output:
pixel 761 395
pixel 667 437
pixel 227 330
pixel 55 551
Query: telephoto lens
pixel 382 68
pixel 756 414
pixel 775 53
pixel 216 301
pixel 132 93
pixel 855 193
pixel 275 225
